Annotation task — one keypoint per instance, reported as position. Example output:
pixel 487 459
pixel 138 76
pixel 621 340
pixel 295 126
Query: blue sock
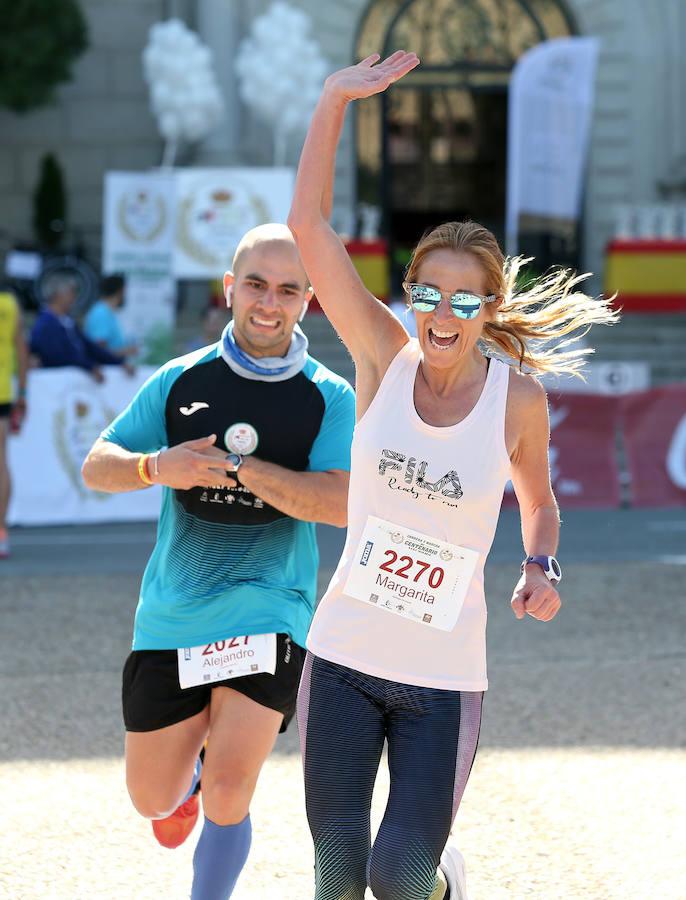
pixel 219 858
pixel 194 781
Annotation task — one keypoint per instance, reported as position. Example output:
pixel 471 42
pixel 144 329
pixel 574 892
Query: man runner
pixel 258 436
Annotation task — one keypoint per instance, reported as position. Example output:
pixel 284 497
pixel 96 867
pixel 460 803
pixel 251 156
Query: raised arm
pixel 366 326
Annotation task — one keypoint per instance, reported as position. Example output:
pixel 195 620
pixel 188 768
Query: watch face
pixel 233 461
pixel 549 564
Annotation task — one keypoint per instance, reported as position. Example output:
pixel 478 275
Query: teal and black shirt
pixel 226 563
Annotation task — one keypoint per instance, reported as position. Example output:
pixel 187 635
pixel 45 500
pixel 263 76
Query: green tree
pixel 39 42
pixel 49 203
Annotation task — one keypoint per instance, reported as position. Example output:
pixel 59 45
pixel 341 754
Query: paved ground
pixel 578 791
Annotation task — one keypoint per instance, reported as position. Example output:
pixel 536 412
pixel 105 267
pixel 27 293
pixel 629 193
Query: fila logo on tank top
pixel 448 486
pixel 422 511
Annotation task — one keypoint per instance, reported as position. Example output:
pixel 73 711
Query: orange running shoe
pixel 173 831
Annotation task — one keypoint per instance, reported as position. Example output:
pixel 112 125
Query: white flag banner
pixel 138 222
pixel 214 209
pixel 67 410
pixel 549 122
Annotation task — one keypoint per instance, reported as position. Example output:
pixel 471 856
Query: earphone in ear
pixel 229 292
pixel 302 314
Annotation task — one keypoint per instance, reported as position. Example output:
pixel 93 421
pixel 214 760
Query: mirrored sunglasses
pixel 464 304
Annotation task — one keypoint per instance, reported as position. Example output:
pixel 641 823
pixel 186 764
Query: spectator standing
pixel 57 340
pixel 102 325
pixel 13 351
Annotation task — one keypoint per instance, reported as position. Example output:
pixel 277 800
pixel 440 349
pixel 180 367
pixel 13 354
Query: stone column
pixel 219 26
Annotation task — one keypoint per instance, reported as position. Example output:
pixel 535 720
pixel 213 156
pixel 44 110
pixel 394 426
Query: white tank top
pixel 444 482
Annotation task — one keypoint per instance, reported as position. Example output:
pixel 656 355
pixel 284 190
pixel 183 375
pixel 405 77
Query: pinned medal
pixel 241 438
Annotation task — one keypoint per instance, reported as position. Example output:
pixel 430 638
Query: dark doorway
pixel 434 148
pixel 446 160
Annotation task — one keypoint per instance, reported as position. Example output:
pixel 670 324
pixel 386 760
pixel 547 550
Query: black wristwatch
pixel 233 462
pixel 551 567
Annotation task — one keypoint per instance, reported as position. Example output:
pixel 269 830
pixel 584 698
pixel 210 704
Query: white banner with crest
pixel 138 223
pixel 67 411
pixel 214 209
pixel 138 241
pixel 187 222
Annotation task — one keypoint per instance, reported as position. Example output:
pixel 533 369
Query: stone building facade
pixel 102 120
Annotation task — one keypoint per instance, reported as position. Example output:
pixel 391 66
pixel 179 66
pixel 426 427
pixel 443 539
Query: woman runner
pixel 397 646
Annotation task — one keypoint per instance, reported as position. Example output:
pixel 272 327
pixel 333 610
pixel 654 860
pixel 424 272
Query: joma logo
pixel 448 486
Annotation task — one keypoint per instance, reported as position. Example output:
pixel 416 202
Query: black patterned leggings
pixel 344 717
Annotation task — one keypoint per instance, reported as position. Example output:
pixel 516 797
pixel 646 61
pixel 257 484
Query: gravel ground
pixel 578 791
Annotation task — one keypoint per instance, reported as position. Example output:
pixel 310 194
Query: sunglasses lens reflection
pixel 423 298
pixel 426 299
pixel 466 310
pixel 424 305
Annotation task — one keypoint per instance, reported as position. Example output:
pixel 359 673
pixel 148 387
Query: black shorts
pixel 5 410
pixel 152 697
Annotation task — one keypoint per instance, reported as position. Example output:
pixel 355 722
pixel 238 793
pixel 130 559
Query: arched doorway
pixel 434 147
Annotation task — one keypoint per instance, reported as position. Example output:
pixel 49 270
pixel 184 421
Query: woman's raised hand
pixel 370 76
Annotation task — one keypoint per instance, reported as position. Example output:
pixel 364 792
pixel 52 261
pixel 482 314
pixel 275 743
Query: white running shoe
pixel 455 871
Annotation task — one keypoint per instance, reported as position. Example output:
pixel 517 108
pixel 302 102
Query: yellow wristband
pixel 143 468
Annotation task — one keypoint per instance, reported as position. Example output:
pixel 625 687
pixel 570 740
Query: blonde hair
pixel 550 308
